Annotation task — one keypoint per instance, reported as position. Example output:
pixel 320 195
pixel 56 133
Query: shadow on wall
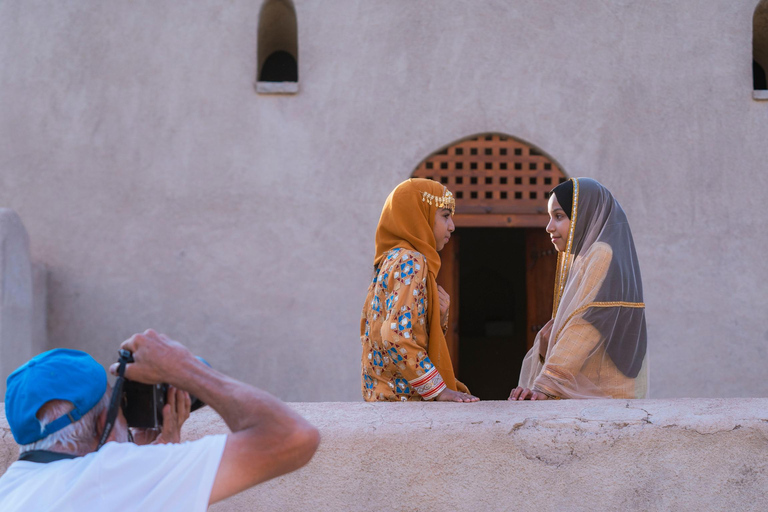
pixel 23 307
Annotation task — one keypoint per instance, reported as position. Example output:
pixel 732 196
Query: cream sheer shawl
pixel 597 345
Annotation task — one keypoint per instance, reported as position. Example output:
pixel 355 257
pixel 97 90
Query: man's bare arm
pixel 268 438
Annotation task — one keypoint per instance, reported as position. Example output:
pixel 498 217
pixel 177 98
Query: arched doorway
pixel 499 266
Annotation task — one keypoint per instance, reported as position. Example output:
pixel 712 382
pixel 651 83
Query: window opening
pixel 760 51
pixel 278 49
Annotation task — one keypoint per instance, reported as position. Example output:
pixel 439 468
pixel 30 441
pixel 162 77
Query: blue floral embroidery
pixel 422 307
pixel 406 268
pixel 402 386
pixel 397 304
pixel 404 321
pixel 382 279
pixel 391 300
pixel 396 357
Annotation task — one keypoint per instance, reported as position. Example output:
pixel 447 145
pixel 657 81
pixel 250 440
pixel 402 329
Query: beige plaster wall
pixel 160 190
pixel 18 302
pixel 591 455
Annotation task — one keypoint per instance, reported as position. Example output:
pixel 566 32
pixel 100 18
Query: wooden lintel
pixel 500 221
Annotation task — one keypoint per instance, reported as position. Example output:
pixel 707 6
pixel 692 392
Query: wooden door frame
pixel 448 277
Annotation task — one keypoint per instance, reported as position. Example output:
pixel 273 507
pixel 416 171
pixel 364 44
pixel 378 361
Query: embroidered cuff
pixel 549 394
pixel 540 386
pixel 428 385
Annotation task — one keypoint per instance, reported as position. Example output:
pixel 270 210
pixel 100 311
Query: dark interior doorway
pixel 492 309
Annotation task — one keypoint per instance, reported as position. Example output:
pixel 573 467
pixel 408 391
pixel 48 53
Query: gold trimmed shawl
pixel 597 346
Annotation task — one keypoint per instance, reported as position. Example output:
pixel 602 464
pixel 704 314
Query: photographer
pixel 58 407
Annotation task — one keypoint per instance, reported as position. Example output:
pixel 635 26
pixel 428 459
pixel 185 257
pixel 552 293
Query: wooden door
pixel 541 263
pixel 448 278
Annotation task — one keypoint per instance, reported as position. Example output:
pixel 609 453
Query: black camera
pixel 142 404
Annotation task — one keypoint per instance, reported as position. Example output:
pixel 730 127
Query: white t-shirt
pixel 120 476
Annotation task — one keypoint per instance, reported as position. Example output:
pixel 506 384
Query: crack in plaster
pixel 688 428
pixel 518 425
pixel 695 430
pixel 569 442
pixel 427 417
pixel 648 415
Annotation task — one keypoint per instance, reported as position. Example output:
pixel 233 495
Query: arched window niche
pixel 278 49
pixel 760 51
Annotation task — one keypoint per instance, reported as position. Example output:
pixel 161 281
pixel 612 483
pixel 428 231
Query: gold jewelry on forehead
pixel 446 201
pixel 564 259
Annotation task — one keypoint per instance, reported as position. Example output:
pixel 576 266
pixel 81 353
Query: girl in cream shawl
pixel 402 329
pixel 595 344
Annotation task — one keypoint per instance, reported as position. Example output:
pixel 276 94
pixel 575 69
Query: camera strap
pixel 117 396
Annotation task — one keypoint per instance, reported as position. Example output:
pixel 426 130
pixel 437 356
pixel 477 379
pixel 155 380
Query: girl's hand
pixel 445 304
pixel 526 394
pixel 449 395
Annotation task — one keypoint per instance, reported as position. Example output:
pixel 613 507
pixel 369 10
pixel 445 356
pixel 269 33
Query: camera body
pixel 142 404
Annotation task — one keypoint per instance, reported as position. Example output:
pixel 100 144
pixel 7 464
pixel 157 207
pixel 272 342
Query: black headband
pixel 564 194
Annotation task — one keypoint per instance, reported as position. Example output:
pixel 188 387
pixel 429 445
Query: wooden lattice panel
pixel 494 175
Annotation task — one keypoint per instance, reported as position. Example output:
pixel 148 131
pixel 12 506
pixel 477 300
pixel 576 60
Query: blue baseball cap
pixel 59 374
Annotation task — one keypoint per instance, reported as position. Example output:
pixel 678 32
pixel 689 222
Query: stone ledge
pixel 277 87
pixel 681 454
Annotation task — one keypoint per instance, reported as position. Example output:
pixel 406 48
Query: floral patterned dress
pixel 393 332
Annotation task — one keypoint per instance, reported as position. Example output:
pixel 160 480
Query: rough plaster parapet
pixel 681 454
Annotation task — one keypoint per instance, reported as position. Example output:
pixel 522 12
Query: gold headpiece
pixel 445 201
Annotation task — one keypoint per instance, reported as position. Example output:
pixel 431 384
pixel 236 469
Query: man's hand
pixel 526 394
pixel 175 413
pixel 156 358
pixel 445 304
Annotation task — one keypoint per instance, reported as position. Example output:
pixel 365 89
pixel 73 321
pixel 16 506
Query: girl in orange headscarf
pixel 405 356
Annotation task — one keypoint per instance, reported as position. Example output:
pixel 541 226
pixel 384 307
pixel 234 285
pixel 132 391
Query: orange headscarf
pixel 407 222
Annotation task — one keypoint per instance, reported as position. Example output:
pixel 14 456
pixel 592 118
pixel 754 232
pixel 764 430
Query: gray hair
pixel 76 437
